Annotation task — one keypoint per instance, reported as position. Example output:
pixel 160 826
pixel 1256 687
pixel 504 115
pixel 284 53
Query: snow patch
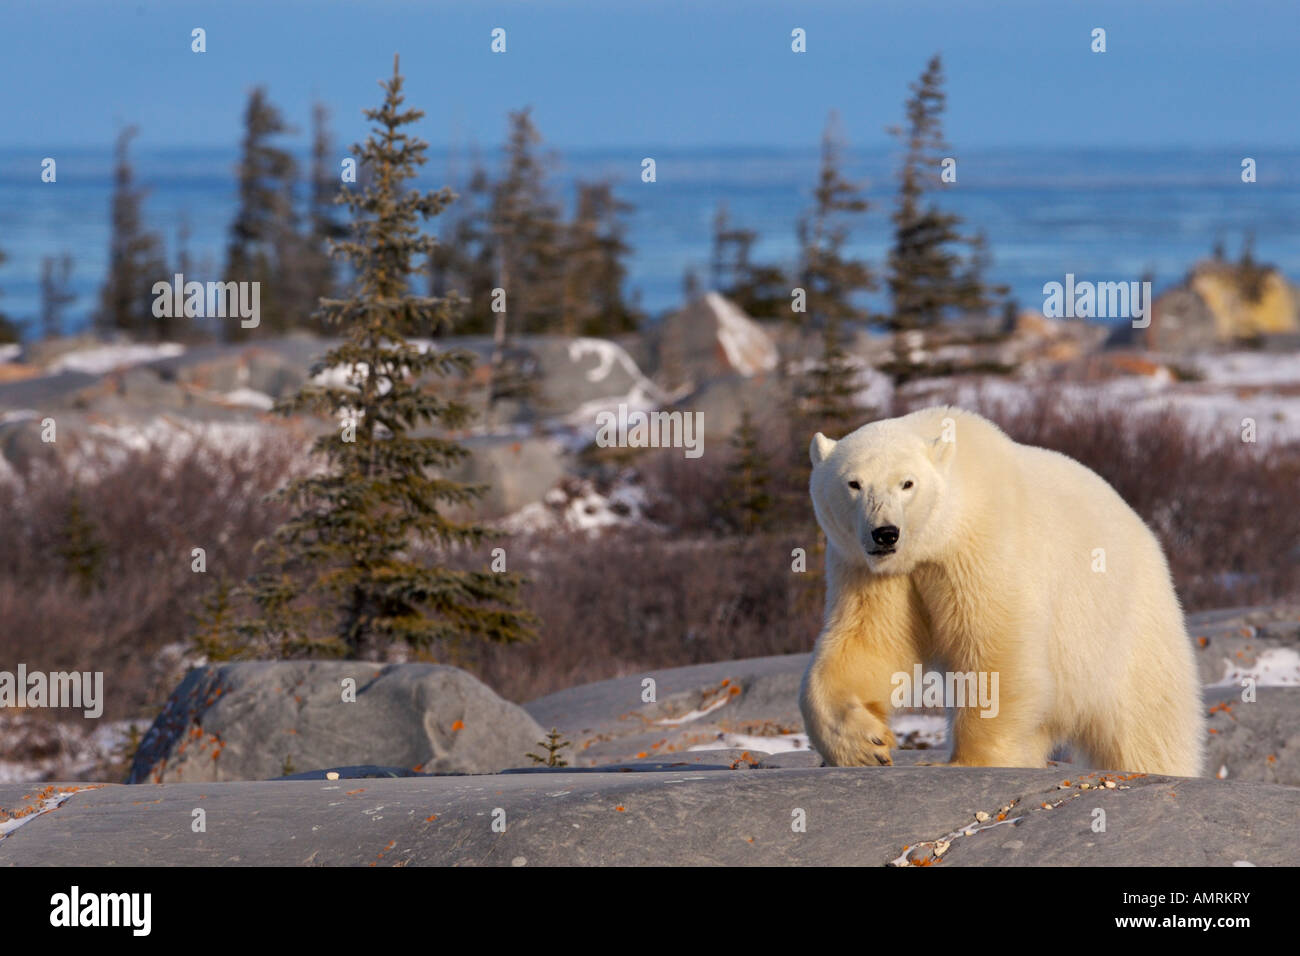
pixel 1275 667
pixel 106 358
pixel 694 715
pixel 249 398
pixel 777 744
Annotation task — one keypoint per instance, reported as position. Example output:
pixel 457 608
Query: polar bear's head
pixel 880 494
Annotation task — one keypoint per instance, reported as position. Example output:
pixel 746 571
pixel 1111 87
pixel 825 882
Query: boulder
pixel 518 470
pixel 260 720
pixel 710 338
pixel 722 401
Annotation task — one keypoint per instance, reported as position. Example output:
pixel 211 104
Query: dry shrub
pixel 147 512
pixel 683 591
pixel 631 602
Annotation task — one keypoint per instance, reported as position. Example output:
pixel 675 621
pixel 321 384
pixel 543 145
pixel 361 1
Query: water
pixel 1103 214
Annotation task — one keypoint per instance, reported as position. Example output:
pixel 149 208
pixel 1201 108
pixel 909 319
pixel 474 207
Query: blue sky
pixel 662 74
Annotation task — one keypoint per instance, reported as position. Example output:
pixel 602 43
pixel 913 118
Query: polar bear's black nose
pixel 886 536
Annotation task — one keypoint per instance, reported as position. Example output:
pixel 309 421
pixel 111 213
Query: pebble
pixel 981 816
pixel 941 847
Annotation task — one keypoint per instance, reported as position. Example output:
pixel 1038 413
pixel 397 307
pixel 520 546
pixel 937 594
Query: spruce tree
pixel 464 262
pixel 928 278
pixel 263 236
pixel 593 266
pixel 749 479
pixel 8 330
pixel 135 260
pixel 323 227
pixel 355 536
pixel 528 233
pixel 830 279
pixel 81 547
pixel 56 293
pixel 215 633
pixel 762 291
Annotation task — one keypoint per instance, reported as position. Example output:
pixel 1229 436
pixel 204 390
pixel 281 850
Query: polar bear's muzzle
pixel 882 540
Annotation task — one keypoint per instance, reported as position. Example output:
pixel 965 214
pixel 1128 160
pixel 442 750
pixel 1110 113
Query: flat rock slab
pixel 753 705
pixel 1254 740
pixel 822 816
pixel 748 704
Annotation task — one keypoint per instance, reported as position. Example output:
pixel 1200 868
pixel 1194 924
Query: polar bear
pixel 949 544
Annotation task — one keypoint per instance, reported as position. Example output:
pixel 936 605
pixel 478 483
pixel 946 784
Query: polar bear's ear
pixel 820 448
pixel 942 450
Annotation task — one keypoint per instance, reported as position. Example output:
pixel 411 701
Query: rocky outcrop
pixel 255 720
pixel 949 816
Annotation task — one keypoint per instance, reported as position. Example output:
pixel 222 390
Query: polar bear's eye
pixel 856 486
pixel 907 484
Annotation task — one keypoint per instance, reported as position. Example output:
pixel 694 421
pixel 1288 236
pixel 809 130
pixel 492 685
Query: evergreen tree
pixel 528 235
pixel 464 262
pixel 552 745
pixel 216 631
pixel 928 279
pixel 354 538
pixel 593 266
pixel 830 279
pixel 829 396
pixel 8 330
pixel 317 265
pixel 80 546
pixel 56 294
pixel 135 260
pixel 263 236
pixel 762 291
pixel 527 240
pixel 749 477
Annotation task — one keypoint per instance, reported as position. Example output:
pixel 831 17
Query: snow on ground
pixel 72 752
pixel 176 439
pixel 1206 407
pixel 248 398
pixel 644 395
pixel 105 358
pixel 913 729
pixel 18 415
pixel 874 388
pixel 777 744
pixel 748 348
pixel 695 714
pixel 1275 667
pixel 1249 368
pixel 586 510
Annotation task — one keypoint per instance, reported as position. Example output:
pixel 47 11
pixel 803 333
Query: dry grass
pixel 686 591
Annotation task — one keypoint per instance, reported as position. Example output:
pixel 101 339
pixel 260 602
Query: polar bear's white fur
pixel 1008 559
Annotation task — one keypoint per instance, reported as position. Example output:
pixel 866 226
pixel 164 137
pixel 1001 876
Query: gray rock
pixel 705 706
pixel 1230 643
pixel 253 721
pixel 811 816
pixel 721 403
pixel 711 337
pixel 517 470
pixel 1259 740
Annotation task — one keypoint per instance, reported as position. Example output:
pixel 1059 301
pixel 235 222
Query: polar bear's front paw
pixel 876 749
pixel 866 741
